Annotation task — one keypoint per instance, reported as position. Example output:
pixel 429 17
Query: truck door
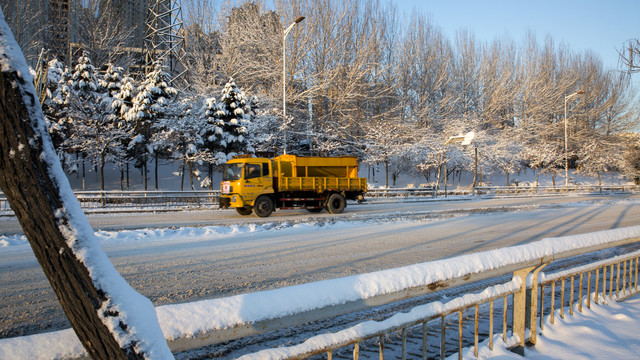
pixel 258 180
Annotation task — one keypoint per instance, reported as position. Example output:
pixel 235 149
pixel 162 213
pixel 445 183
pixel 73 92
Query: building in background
pixel 61 26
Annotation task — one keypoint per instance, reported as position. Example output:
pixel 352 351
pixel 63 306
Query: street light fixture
pixel 284 74
pixel 566 138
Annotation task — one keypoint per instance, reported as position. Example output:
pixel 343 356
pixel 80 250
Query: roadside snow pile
pixel 212 233
pixel 156 234
pixel 197 318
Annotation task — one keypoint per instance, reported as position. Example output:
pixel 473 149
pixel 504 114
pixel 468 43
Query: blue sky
pixel 601 26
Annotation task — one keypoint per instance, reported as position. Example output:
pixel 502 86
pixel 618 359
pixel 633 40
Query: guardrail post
pixel 531 322
pixel 519 311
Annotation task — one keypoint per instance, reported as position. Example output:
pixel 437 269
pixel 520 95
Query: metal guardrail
pixel 209 198
pixel 425 335
pixel 139 199
pixel 523 190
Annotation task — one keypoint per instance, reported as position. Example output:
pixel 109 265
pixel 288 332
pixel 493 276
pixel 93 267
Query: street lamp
pixel 284 74
pixel 566 138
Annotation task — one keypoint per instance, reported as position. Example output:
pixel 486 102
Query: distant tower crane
pixel 164 39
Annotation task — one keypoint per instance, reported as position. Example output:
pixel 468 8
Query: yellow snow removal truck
pixel 262 185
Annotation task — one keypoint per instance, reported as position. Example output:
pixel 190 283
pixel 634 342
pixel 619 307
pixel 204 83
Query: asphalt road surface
pixel 365 238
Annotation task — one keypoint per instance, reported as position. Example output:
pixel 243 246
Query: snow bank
pixel 601 332
pixel 370 328
pixel 191 319
pixel 209 315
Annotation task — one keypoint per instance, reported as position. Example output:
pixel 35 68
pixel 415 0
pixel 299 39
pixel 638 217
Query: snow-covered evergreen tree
pixel 56 104
pixel 225 133
pixel 234 109
pixel 111 81
pixel 150 103
pixel 74 109
pixel 123 102
pixel 178 136
pixel 55 72
pixel 83 79
pixel 152 97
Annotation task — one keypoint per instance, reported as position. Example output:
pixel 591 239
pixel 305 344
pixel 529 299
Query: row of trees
pixel 360 81
pixel 110 117
pixel 366 80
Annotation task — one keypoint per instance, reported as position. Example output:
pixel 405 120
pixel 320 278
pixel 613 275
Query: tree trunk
pixel 386 169
pixel 39 194
pixel 145 172
pixel 184 165
pixel 83 174
pixel 156 171
pixel 191 176
pixel 475 169
pixel 102 159
pixel 210 176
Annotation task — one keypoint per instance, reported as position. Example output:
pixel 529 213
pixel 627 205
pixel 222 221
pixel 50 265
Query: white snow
pixel 184 320
pixel 603 332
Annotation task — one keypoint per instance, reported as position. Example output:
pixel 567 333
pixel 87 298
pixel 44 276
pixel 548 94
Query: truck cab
pixel 244 179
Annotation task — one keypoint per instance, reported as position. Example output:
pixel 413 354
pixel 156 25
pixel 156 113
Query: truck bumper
pixel 234 201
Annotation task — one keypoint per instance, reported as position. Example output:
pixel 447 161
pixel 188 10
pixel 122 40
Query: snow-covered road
pixel 241 255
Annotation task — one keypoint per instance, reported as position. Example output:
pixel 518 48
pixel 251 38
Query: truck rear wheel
pixel 243 210
pixel 336 203
pixel 263 206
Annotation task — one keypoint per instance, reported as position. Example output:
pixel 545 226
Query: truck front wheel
pixel 336 203
pixel 244 210
pixel 263 206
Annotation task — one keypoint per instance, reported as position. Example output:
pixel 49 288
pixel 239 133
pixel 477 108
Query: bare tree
pixel 630 56
pixel 428 57
pixel 251 49
pixel 27 22
pixel 111 320
pixel 102 31
pixel 202 42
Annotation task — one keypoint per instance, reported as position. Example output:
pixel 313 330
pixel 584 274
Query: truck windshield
pixel 232 172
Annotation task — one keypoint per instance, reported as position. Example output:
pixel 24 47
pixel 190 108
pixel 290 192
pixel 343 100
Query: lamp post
pixel 566 138
pixel 284 82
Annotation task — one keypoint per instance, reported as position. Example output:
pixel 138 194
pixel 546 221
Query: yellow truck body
pixel 261 185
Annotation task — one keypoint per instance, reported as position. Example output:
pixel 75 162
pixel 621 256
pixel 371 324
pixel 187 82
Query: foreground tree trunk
pixel 99 304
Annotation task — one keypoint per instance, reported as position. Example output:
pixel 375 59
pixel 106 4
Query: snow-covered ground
pixel 180 320
pixel 602 332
